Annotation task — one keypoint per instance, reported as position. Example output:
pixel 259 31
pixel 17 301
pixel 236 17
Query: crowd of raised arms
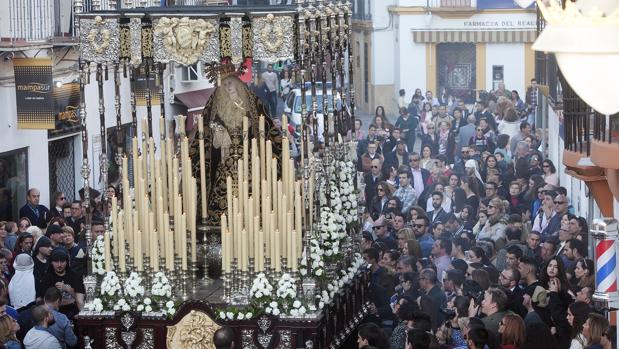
pixel 470 239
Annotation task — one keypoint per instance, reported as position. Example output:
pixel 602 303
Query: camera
pixel 450 314
pixel 472 290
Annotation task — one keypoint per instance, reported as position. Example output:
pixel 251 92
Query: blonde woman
pixel 8 328
pixel 404 235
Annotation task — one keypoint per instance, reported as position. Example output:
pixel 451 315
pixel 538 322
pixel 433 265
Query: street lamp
pixel 583 38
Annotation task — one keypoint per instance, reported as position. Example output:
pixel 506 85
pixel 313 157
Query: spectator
pixel 594 329
pixel 577 314
pixel 22 285
pixel 77 251
pixel 61 328
pixel 56 236
pixel 223 338
pixel 425 240
pixel 512 333
pixel 11 235
pixel 76 221
pixel 39 337
pixel 8 329
pixel 23 244
pixel 428 283
pixel 57 204
pixel 42 252
pixel 493 306
pixel 405 192
pixel 37 214
pixel 478 338
pixel 371 334
pixel 71 285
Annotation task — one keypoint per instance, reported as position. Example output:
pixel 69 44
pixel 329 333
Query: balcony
pixel 35 23
pixel 590 145
pixel 459 4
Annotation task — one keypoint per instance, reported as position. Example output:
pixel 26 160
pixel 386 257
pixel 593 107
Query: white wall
pixel 511 57
pixel 383 44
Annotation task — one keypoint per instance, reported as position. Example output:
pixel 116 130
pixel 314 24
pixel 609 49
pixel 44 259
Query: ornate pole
pixel 119 134
pixel 103 161
pixel 90 281
pixel 333 45
pixel 321 30
pixel 351 86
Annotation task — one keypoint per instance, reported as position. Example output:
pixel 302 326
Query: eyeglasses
pixel 543 192
pixel 380 189
pixel 376 228
pixel 419 225
pixel 414 160
pixel 490 206
pixel 62 198
pixel 479 129
pixel 374 166
pixel 545 166
pixel 559 202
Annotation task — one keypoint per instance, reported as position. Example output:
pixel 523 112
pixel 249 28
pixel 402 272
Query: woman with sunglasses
pixel 57 202
pixel 23 224
pixel 550 173
pixel 379 203
pixel 430 138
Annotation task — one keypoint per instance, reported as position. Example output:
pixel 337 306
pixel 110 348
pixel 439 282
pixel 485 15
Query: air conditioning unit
pixel 191 73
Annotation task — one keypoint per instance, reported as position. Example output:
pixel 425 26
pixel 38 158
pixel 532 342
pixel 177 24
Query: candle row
pixel 163 189
pixel 265 212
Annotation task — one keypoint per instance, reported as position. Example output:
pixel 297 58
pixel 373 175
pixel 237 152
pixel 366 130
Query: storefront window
pixel 13 183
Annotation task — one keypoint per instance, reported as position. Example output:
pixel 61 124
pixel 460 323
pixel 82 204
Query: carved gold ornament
pixel 194 331
pixel 272 34
pixel 99 36
pixel 184 39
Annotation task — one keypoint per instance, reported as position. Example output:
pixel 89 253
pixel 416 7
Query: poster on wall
pixel 33 92
pixel 144 84
pixel 66 104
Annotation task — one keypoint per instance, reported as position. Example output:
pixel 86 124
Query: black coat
pixel 39 220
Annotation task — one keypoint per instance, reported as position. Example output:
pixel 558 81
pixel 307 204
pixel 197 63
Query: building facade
pixel 462 46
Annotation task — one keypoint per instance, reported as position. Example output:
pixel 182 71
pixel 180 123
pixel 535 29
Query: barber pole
pixel 605 232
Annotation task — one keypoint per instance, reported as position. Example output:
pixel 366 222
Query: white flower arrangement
pixel 161 286
pixel 110 286
pixel 334 286
pixel 317 264
pixel 133 286
pixel 95 305
pixel 286 287
pixel 169 308
pixel 146 305
pixel 348 196
pixel 235 314
pixel 98 256
pixel 298 309
pixel 121 304
pixel 273 309
pixel 261 290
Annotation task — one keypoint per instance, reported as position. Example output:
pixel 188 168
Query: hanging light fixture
pixel 583 38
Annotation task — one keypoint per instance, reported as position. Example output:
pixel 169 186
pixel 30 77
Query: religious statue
pixel 223 135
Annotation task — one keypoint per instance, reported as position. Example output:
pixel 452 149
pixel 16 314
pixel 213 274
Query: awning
pixel 474 36
pixel 194 101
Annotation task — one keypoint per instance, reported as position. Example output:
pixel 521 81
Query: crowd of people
pixel 43 258
pixel 469 238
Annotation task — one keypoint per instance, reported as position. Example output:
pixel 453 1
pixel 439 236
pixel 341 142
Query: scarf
pixel 21 288
pixel 473 164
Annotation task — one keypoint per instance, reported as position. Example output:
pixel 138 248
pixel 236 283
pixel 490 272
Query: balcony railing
pixel 450 3
pixel 31 20
pixel 579 119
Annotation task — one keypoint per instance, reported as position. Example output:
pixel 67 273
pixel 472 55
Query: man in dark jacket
pixel 36 213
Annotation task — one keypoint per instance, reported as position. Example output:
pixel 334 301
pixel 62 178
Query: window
pixel 13 183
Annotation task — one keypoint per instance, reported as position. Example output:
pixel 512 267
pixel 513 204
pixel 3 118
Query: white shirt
pixel 417 181
pixel 270 80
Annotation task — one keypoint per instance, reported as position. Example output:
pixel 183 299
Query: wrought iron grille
pixel 579 120
pixel 456 70
pixel 62 167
